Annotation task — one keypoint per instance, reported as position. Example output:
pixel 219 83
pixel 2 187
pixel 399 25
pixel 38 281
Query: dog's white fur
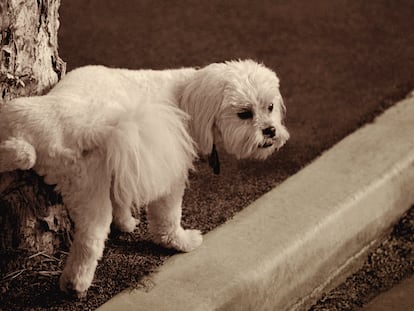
pixel 111 139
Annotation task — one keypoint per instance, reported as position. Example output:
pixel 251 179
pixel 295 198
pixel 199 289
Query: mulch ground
pixel 340 62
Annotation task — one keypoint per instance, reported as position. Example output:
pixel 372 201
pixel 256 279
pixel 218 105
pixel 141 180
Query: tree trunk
pixel 31 213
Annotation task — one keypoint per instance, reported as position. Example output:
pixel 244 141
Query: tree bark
pixel 31 213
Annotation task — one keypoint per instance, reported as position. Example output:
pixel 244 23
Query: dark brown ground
pixel 340 62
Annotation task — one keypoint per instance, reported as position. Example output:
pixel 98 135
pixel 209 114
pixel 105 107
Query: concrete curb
pixel 280 252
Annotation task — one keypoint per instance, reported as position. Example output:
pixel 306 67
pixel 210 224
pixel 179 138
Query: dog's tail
pixel 148 150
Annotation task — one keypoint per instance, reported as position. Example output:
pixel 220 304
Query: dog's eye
pixel 270 107
pixel 246 114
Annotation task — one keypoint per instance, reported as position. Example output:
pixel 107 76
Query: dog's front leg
pixel 164 222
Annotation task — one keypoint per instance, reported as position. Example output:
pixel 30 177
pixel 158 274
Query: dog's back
pixel 92 110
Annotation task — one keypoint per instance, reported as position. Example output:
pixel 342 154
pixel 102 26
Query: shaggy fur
pixel 111 139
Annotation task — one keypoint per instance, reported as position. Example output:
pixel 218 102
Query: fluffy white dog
pixel 111 139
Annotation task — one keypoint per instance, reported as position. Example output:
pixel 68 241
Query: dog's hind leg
pixel 123 218
pixel 16 153
pixel 91 210
pixel 164 222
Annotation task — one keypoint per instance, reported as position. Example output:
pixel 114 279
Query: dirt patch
pixel 340 63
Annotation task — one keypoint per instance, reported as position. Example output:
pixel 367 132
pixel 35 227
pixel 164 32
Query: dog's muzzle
pixel 266 144
pixel 269 134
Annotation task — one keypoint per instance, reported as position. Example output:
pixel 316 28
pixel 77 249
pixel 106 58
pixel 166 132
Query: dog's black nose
pixel 269 131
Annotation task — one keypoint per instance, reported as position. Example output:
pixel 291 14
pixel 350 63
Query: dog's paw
pixel 128 225
pixel 26 161
pixel 184 240
pixel 16 154
pixel 70 287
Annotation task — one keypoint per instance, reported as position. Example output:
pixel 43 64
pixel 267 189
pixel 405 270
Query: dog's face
pixel 250 121
pixel 238 103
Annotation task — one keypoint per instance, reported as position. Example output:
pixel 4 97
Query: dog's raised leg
pixel 92 216
pixel 16 153
pixel 164 222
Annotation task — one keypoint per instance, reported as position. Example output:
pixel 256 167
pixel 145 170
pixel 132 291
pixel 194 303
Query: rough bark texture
pixel 31 216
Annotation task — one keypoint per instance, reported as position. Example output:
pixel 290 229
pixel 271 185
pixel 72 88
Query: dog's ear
pixel 202 99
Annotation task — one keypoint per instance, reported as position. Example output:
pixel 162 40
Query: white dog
pixel 111 139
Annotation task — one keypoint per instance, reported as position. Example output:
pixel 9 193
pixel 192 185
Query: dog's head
pixel 238 103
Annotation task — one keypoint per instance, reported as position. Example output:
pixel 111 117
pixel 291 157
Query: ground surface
pixel 340 63
pixel 386 265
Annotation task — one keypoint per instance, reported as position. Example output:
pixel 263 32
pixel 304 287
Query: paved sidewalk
pixel 400 297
